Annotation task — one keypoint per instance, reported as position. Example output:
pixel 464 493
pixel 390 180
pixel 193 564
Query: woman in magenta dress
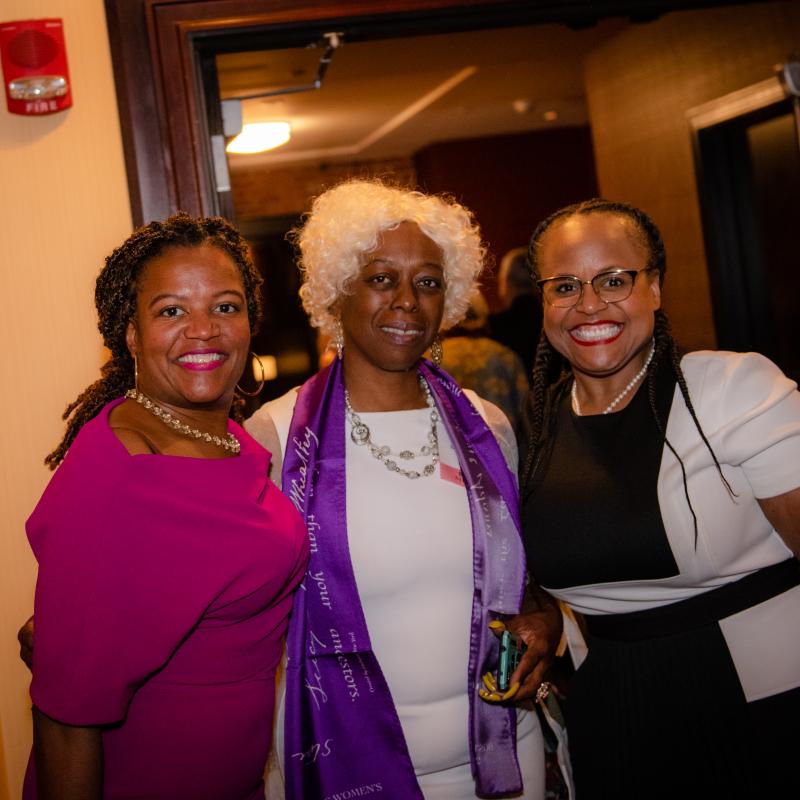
pixel 167 558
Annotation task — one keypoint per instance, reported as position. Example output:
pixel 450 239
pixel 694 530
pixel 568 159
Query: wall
pixel 511 182
pixel 286 191
pixel 639 86
pixel 63 206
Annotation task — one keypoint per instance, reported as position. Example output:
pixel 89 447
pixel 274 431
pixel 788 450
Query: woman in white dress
pixel 407 487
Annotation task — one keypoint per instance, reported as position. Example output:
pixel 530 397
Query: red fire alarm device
pixel 35 70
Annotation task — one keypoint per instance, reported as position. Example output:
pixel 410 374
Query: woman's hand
pixel 69 760
pixel 539 625
pixel 25 637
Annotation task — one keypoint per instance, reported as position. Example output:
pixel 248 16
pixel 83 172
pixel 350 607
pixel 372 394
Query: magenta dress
pixel 164 588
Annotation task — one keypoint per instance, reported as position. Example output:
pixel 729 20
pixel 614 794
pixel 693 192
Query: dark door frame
pixel 156 46
pixel 723 172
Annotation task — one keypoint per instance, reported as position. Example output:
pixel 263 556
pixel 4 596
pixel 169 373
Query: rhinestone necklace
pixel 576 406
pixel 230 442
pixel 361 435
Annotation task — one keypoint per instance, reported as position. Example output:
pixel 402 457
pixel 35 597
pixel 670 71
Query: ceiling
pixel 389 98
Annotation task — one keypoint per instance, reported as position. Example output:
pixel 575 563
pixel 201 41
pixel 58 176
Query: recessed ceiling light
pixel 256 137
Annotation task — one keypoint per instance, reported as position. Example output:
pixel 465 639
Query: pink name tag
pixel 452 474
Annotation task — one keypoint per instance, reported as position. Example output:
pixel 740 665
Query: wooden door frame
pixel 730 232
pixel 154 49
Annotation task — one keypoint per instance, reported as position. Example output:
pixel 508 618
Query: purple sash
pixel 342 734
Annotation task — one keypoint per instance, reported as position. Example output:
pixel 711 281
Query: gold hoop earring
pixel 437 353
pixel 338 340
pixel 261 383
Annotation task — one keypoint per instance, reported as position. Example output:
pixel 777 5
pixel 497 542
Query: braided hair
pixel 115 299
pixel 552 375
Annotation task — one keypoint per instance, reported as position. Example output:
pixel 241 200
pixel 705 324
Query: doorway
pixel 495 118
pixel 748 165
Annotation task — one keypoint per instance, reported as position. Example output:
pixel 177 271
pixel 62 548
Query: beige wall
pixel 63 206
pixel 639 86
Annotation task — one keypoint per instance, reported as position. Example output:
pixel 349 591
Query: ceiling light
pixel 550 116
pixel 257 137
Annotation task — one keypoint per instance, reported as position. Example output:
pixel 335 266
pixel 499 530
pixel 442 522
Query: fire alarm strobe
pixel 35 71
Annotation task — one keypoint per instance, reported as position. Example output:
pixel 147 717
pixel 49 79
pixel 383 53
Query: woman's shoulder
pixel 95 445
pixel 269 426
pixel 89 476
pixel 744 376
pixel 743 392
pixel 274 410
pixel 499 425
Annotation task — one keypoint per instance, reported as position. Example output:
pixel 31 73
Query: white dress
pixel 411 549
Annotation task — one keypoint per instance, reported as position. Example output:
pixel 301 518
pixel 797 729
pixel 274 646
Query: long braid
pixel 547 391
pixel 665 345
pixel 539 402
pixel 115 300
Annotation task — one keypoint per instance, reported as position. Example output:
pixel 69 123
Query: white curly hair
pixel 346 221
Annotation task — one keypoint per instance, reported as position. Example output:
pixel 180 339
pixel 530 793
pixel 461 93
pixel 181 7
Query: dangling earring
pixel 261 383
pixel 135 373
pixel 338 339
pixel 436 351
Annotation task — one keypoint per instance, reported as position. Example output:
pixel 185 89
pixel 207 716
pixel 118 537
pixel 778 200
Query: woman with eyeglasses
pixel 661 500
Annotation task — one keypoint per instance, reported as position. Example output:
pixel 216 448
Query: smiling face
pixel 190 334
pixel 599 339
pixel 395 304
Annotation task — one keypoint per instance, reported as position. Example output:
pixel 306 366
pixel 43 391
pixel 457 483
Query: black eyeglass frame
pixel 632 272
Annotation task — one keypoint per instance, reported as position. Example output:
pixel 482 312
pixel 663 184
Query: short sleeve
pixel 760 409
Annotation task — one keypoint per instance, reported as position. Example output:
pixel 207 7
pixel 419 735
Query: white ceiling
pixel 389 98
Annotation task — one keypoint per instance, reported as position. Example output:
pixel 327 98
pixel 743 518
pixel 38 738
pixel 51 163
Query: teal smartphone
pixel 511 650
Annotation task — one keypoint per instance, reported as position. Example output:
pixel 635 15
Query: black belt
pixel 700 610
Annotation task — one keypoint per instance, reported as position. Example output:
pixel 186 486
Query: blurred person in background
pixel 519 324
pixel 492 370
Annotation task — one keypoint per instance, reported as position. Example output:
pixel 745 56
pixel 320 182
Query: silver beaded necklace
pixel 229 443
pixel 361 435
pixel 576 406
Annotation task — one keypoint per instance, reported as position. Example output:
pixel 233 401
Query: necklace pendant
pixel 359 433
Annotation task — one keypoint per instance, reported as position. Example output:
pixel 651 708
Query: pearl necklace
pixel 230 442
pixel 361 435
pixel 576 406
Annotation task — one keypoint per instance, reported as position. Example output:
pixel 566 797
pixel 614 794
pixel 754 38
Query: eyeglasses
pixel 612 286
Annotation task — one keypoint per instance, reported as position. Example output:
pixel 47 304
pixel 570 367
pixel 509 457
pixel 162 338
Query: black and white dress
pixel 693 664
